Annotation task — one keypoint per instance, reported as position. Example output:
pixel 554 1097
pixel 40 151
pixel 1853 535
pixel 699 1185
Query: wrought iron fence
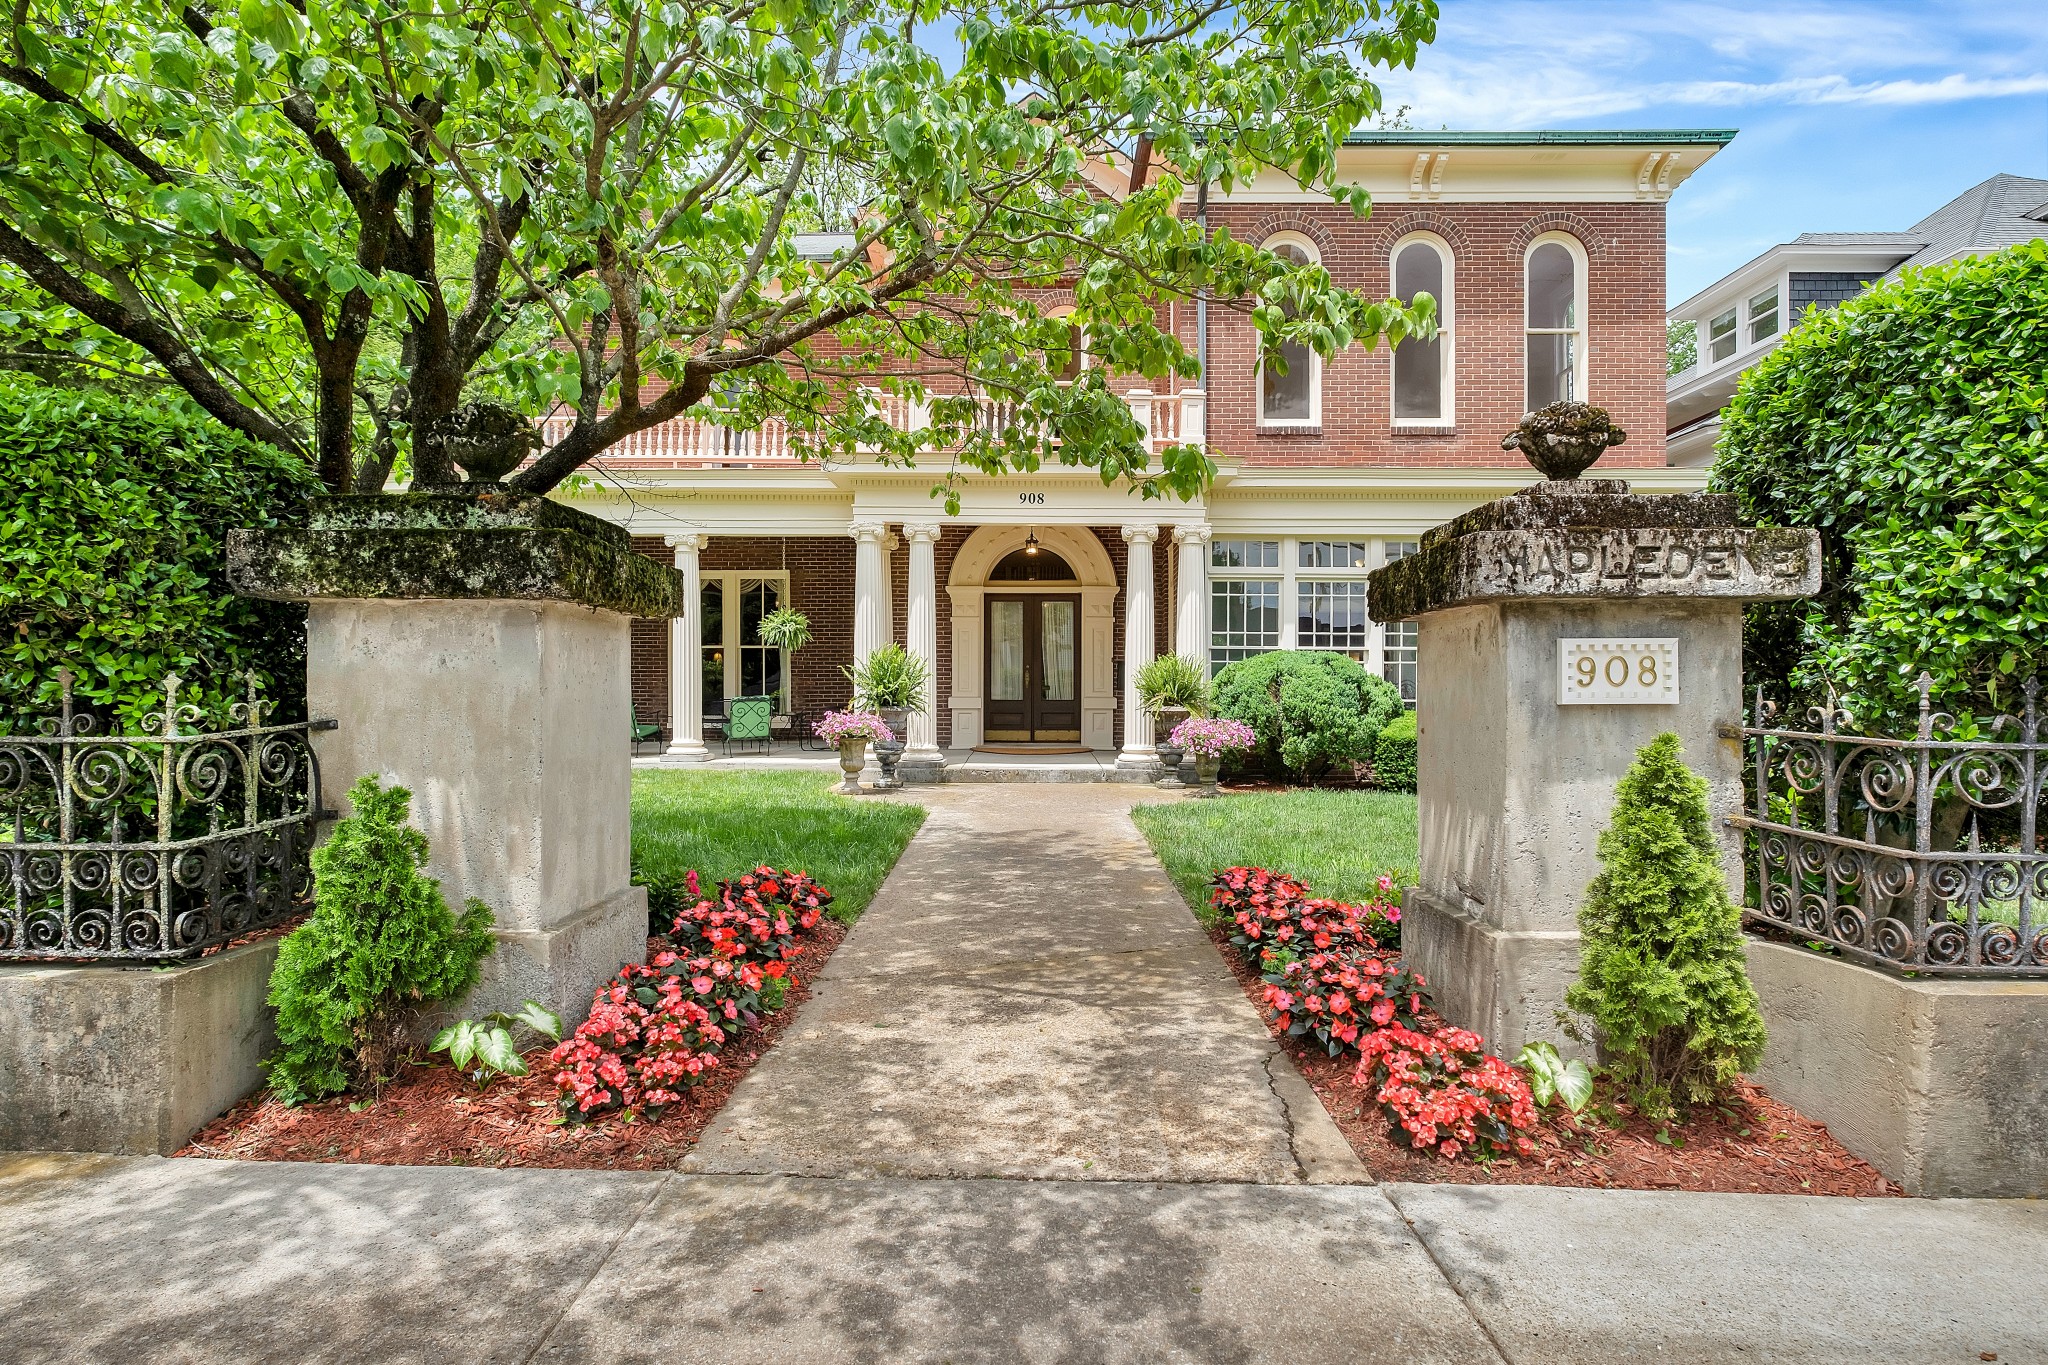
pixel 153 847
pixel 1915 855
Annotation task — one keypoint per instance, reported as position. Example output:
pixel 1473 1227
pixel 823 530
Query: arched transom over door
pixel 1034 616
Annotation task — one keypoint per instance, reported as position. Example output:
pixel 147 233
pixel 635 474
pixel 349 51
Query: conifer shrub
pixel 1393 754
pixel 1312 712
pixel 1663 983
pixel 381 945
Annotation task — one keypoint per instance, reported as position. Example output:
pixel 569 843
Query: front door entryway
pixel 1033 668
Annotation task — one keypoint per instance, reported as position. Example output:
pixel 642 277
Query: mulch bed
pixel 1753 1145
pixel 430 1115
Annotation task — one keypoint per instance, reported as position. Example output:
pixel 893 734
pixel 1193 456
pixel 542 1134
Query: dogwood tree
pixel 333 221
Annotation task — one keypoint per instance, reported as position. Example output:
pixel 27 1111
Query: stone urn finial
pixel 1562 440
pixel 488 440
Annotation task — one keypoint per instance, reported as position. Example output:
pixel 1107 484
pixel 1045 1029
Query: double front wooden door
pixel 1033 668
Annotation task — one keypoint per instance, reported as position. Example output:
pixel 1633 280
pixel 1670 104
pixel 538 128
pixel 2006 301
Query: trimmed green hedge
pixel 1311 711
pixel 1910 426
pixel 1393 757
pixel 115 515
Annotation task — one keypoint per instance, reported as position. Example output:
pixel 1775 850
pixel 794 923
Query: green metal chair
pixel 748 719
pixel 645 732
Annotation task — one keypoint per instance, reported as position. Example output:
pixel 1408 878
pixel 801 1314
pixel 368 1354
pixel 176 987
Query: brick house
pixel 1037 601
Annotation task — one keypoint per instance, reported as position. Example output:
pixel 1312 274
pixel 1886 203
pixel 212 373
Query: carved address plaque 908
pixel 1617 672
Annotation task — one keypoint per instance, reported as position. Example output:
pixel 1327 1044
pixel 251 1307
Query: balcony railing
pixel 693 443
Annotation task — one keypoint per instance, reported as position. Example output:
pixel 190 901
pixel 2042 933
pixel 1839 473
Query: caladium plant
pixel 487 1048
pixel 1552 1077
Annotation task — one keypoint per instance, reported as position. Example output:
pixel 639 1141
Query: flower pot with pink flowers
pixel 851 732
pixel 1208 740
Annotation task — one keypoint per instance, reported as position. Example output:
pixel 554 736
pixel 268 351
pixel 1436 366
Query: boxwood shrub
pixel 1312 712
pixel 1393 756
pixel 115 515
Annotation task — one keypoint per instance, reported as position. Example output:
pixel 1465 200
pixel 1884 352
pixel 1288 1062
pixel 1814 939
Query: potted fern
pixel 1172 687
pixel 788 630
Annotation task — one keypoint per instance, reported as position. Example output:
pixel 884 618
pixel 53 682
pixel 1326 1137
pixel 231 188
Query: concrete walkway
pixel 1028 996
pixel 143 1259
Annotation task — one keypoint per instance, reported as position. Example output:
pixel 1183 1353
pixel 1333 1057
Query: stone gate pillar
pixel 1562 629
pixel 475 646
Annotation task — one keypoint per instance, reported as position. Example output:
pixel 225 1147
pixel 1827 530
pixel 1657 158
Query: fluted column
pixel 686 658
pixel 1191 619
pixel 922 621
pixel 1137 751
pixel 870 599
pixel 890 544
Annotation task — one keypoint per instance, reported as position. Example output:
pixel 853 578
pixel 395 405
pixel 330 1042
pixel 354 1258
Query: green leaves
pixel 487 1048
pixel 1552 1078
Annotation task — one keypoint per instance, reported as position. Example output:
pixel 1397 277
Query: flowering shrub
pixel 1443 1092
pixel 757 917
pixel 837 727
pixel 1207 737
pixel 1339 996
pixel 647 1040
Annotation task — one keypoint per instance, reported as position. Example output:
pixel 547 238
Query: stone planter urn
pixel 1564 439
pixel 1207 768
pixel 890 752
pixel 853 756
pixel 1170 754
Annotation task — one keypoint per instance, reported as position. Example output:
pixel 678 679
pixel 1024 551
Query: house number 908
pixel 1031 499
pixel 1617 672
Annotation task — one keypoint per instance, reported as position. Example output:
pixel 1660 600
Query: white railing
pixel 685 442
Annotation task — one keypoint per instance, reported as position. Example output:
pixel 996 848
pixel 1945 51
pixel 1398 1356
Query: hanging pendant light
pixel 1031 542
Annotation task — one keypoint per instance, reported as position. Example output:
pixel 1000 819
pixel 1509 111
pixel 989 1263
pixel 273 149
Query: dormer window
pixel 1721 336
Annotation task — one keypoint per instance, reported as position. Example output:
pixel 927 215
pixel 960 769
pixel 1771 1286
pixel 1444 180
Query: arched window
pixel 1293 399
pixel 1067 367
pixel 1423 369
pixel 1554 277
pixel 1032 564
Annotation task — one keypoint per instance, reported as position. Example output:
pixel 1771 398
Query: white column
pixel 870 600
pixel 889 547
pixel 1138 751
pixel 686 659
pixel 922 620
pixel 1191 618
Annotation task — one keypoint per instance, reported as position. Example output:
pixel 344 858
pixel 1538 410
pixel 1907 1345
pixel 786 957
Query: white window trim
pixel 729 619
pixel 1290 575
pixel 1447 313
pixel 1315 375
pixel 1583 328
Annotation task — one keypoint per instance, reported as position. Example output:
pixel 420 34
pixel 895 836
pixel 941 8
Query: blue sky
pixel 1852 116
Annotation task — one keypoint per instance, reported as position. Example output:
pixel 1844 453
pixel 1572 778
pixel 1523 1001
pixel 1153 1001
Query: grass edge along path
pixel 1337 841
pixel 723 824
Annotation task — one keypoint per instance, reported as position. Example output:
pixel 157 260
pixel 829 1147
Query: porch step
pixel 1020 772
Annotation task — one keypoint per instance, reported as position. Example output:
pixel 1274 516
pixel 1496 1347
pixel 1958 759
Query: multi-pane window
pixel 1421 367
pixel 1289 394
pixel 1555 345
pixel 1721 336
pixel 1399 639
pixel 1244 618
pixel 1334 554
pixel 1763 315
pixel 1244 554
pixel 1332 617
pixel 736 663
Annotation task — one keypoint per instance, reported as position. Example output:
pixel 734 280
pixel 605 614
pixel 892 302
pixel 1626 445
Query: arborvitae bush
pixel 1662 977
pixel 1393 754
pixel 1311 711
pixel 381 945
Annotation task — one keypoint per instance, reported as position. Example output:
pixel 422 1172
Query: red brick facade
pixel 1624 331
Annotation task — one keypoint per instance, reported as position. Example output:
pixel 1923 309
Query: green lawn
pixel 1338 842
pixel 723 824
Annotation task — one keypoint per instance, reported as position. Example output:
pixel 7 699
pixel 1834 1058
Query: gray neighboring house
pixel 1742 315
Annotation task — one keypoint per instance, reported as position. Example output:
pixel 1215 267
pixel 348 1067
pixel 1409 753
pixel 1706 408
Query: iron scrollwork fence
pixel 1946 876
pixel 153 847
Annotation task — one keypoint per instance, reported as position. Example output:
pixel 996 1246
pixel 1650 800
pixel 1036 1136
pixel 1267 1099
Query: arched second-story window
pixel 1423 370
pixel 1554 294
pixel 1068 364
pixel 1295 398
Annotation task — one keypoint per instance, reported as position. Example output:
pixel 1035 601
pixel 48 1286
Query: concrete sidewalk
pixel 123 1259
pixel 1028 996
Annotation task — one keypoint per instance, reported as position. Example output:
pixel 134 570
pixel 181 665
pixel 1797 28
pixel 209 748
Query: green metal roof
pixel 1568 137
